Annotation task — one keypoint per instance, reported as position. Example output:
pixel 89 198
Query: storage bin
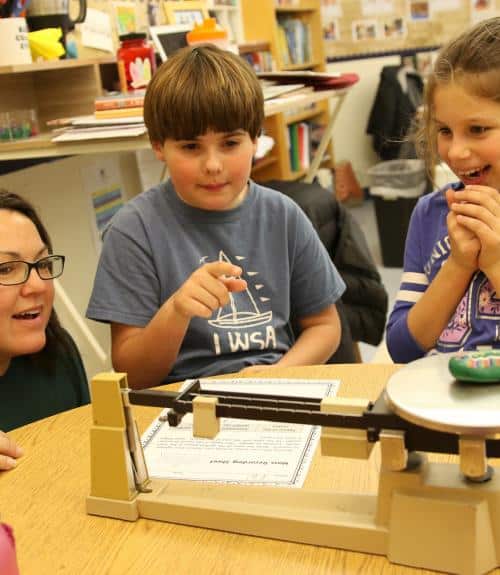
pixel 396 186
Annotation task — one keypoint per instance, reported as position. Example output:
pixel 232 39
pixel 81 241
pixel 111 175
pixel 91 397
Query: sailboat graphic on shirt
pixel 229 317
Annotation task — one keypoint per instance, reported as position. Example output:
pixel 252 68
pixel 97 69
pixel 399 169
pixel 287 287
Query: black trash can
pixel 396 186
pixel 393 217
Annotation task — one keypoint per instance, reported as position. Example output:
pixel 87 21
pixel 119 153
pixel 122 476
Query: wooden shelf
pixel 302 116
pixel 301 66
pixel 223 8
pixel 262 19
pixel 55 65
pixel 264 162
pixel 249 47
pixel 293 9
pixel 297 175
pixel 301 6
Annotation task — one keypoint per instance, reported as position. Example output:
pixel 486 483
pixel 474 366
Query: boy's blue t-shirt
pixel 156 241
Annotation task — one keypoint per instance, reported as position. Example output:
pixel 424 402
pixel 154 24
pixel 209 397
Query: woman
pixel 41 372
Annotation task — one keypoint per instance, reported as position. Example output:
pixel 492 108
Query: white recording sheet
pixel 244 451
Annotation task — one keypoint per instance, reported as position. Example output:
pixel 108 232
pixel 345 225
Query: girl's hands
pixel 9 452
pixel 465 245
pixel 207 289
pixel 477 210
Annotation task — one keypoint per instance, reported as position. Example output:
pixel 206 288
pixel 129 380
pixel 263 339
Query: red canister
pixel 136 62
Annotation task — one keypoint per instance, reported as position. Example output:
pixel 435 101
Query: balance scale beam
pixel 426 516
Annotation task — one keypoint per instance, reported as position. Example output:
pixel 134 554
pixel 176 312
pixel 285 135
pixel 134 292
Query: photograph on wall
pixel 364 30
pixel 393 28
pixel 482 9
pixel 331 29
pixel 419 10
pixel 374 7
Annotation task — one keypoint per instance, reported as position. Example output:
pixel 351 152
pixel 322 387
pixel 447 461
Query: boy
pixel 203 274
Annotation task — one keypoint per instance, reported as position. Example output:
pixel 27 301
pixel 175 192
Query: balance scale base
pixel 428 517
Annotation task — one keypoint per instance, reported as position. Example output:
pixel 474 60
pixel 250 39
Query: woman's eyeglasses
pixel 17 271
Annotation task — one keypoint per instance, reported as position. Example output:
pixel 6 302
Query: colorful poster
pixel 419 10
pixel 106 202
pixel 126 20
pixel 102 182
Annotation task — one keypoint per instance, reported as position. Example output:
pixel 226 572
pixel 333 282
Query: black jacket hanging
pixel 398 96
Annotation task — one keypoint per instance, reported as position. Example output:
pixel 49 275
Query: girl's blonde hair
pixel 201 89
pixel 472 60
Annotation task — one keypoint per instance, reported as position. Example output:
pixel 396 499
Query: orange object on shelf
pixel 208 32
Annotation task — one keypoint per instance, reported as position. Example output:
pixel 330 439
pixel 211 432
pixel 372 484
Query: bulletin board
pixel 363 28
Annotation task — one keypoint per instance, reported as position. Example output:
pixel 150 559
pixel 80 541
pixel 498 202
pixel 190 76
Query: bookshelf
pixel 293 30
pixel 228 15
pixel 55 88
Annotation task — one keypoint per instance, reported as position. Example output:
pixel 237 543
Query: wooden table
pixel 43 499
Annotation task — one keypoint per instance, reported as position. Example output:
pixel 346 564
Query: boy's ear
pixel 158 150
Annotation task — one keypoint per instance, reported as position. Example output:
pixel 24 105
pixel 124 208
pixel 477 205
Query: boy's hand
pixel 207 289
pixel 9 452
pixel 477 209
pixel 465 245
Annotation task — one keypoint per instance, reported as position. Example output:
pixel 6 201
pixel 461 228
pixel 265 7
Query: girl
pixel 449 297
pixel 41 372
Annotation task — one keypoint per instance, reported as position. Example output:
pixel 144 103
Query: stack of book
pixel 299 135
pixel 116 115
pixel 119 105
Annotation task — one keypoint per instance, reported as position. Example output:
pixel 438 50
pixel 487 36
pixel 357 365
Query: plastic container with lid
pixel 136 61
pixel 208 32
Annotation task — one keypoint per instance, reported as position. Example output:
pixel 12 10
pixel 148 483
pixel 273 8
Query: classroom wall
pixel 61 192
pixel 350 138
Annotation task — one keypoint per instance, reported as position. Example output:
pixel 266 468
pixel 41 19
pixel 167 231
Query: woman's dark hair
pixel 57 337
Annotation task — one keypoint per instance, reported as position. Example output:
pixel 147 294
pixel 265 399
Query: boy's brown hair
pixel 472 60
pixel 200 89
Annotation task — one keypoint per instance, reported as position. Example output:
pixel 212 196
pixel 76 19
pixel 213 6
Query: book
pixel 318 80
pixel 99 133
pixel 120 100
pixel 119 113
pixel 294 147
pixel 277 90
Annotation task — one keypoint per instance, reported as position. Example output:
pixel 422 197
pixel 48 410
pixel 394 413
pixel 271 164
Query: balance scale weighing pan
pixel 425 393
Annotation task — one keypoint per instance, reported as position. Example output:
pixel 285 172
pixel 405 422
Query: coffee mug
pixel 15 45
